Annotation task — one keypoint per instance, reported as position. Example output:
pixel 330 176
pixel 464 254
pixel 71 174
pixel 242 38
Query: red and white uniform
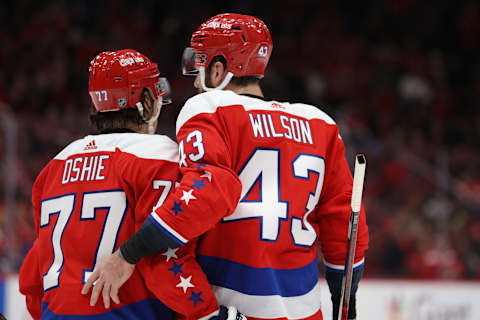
pixel 87 201
pixel 284 165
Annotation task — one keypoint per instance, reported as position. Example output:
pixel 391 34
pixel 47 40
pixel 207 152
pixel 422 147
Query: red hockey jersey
pixel 87 201
pixel 284 165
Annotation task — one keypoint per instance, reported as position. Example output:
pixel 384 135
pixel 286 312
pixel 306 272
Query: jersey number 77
pixel 116 204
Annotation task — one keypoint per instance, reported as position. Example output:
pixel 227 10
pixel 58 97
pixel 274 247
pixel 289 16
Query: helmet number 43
pixel 263 51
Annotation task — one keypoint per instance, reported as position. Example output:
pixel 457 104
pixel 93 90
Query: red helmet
pixel 244 41
pixel 117 79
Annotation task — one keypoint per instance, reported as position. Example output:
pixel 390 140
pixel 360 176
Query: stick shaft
pixel 356 204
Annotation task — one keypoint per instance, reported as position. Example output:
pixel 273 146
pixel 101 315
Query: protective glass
pixel 191 61
pixel 164 90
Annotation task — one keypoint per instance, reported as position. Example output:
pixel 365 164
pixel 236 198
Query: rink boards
pixel 376 299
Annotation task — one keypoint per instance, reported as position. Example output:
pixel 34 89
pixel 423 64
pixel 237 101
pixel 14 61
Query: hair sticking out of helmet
pixel 117 79
pixel 244 41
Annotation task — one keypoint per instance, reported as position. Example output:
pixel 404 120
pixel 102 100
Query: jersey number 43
pixel 263 168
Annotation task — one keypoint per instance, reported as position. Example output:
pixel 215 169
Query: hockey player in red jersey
pixel 97 192
pixel 270 184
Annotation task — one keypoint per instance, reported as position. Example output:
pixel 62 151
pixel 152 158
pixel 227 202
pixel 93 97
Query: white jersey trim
pixel 146 146
pixel 274 306
pixel 208 102
pixel 169 229
pixel 342 267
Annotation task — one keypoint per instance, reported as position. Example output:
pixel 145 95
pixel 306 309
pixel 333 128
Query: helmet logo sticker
pixel 129 61
pixel 263 51
pixel 218 24
pixel 122 102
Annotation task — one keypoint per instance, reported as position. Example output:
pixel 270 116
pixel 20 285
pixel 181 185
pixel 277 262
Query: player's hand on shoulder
pixel 229 313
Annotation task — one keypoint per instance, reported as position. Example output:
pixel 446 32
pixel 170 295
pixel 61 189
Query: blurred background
pixel 400 77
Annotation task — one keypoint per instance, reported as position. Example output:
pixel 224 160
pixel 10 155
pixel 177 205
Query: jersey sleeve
pixel 30 283
pixel 173 275
pixel 333 211
pixel 209 188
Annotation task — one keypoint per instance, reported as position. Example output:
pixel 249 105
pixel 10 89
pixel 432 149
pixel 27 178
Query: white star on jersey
pixel 170 253
pixel 187 196
pixel 185 284
pixel 207 175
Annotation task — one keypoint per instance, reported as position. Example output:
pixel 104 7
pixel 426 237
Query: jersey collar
pixel 253 96
pixel 117 130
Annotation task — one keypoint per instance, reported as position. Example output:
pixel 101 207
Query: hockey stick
pixel 356 204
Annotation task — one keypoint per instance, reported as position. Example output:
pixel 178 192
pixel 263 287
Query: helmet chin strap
pixel 222 85
pixel 153 118
pixel 140 108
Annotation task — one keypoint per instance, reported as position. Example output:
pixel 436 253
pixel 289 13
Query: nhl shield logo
pixel 122 102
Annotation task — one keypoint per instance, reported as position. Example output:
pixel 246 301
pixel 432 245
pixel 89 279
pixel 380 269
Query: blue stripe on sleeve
pixel 145 309
pixel 259 281
pixel 170 235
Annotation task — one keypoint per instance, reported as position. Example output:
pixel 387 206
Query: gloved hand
pixel 351 310
pixel 334 280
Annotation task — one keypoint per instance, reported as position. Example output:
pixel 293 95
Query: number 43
pixel 263 167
